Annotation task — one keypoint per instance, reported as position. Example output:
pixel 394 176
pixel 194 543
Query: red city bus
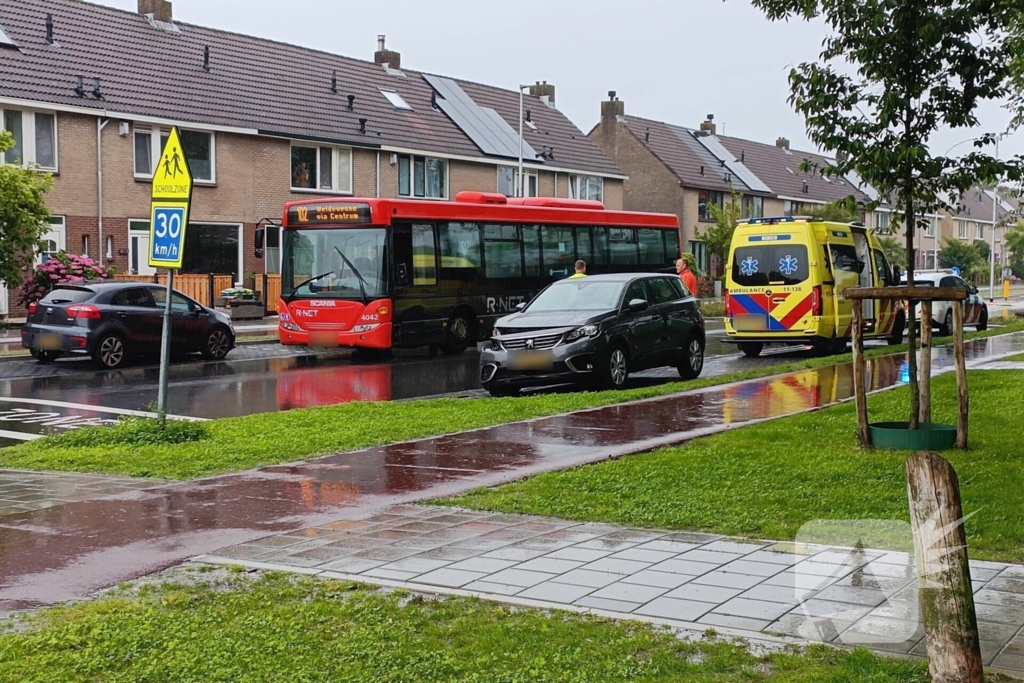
pixel 386 273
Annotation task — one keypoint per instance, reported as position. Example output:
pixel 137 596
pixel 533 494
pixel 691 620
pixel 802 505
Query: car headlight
pixel 359 329
pixel 585 331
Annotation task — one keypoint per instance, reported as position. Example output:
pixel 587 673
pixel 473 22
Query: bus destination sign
pixel 329 213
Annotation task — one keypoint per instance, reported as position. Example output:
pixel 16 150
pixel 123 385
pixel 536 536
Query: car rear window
pixel 757 266
pixel 68 295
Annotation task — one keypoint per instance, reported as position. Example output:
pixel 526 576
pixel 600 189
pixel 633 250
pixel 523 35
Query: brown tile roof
pixel 780 170
pixel 684 160
pixel 976 205
pixel 253 83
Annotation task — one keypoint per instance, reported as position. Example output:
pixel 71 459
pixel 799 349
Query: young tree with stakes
pixel 891 74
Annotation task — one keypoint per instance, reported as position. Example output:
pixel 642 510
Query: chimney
pixel 384 56
pixel 613 107
pixel 543 89
pixel 782 143
pixel 708 127
pixel 160 9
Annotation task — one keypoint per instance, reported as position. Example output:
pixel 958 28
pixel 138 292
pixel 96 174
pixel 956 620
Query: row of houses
pixel 90 93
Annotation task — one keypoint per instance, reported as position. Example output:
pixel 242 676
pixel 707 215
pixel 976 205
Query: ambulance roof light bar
pixel 772 220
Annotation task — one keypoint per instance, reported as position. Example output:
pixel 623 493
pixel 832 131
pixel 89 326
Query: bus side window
pixel 623 247
pixel 652 248
pixel 424 255
pixel 502 256
pixel 531 250
pixel 601 247
pixel 584 248
pixel 460 251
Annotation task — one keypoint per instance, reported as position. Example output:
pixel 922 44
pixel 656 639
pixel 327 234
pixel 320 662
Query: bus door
pixel 415 269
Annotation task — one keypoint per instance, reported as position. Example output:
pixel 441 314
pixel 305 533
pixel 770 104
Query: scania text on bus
pixel 383 273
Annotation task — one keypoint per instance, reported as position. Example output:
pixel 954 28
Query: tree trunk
pixel 915 389
pixel 944 576
pixel 859 374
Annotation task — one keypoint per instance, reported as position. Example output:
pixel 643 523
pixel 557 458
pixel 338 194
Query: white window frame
pixel 137 227
pixel 156 133
pixel 396 99
pixel 883 222
pixel 59 229
pixel 412 177
pixel 929 230
pixel 28 135
pixel 962 230
pixel 530 175
pixel 336 155
pixel 979 230
pixel 576 183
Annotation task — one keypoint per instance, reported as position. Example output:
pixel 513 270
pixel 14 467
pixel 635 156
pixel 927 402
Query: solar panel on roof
pixel 485 127
pixel 738 168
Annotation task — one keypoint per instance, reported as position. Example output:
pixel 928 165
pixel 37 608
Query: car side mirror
pixel 637 305
pixel 260 240
pixel 521 306
pixel 972 290
pixel 402 275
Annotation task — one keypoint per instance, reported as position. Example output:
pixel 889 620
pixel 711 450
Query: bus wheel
pixel 751 349
pixel 459 334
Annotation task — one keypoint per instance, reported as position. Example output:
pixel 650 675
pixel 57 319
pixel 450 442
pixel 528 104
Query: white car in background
pixel 975 308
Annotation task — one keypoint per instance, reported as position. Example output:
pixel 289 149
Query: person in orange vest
pixel 689 279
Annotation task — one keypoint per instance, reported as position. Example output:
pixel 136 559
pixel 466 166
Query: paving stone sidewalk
pixel 22 491
pixel 753 589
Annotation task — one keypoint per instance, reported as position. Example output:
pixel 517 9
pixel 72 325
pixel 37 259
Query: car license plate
pixel 49 342
pixel 750 323
pixel 530 360
pixel 323 340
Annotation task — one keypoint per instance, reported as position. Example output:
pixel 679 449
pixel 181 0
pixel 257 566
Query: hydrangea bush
pixel 61 268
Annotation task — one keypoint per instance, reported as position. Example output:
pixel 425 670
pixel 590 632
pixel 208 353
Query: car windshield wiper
pixel 291 297
pixel 359 276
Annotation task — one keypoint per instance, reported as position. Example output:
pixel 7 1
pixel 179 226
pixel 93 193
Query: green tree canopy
pixel 717 237
pixel 957 254
pixel 894 252
pixel 23 217
pixel 1015 244
pixel 842 211
pixel 890 75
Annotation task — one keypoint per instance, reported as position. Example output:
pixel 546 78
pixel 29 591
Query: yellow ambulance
pixel 785 279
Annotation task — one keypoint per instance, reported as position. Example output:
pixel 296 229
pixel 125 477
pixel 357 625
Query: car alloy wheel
pixel 696 355
pixel 947 325
pixel 218 344
pixel 618 368
pixel 111 351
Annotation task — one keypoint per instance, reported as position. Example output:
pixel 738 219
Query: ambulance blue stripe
pixel 748 304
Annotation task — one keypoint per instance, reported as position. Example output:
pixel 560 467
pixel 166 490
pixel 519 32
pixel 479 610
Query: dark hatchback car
pixel 115 321
pixel 596 330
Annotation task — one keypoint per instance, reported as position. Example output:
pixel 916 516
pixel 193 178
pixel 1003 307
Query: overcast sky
pixel 669 60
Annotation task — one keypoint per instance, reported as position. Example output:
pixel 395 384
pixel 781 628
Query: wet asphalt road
pixel 43 399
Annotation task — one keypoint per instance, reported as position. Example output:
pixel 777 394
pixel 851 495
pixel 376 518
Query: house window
pixel 700 256
pixel 929 228
pixel 587 187
pixel 321 168
pixel 425 177
pixel 883 219
pixel 962 230
pixel 508 178
pixel 979 231
pixel 705 199
pixel 199 147
pixel 396 100
pixel 35 139
pixel 54 240
pixel 753 207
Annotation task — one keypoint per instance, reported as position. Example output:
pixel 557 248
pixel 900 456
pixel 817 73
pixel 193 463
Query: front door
pixel 646 327
pixel 140 254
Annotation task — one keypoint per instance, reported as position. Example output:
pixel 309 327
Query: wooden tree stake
pixel 944 576
pixel 963 403
pixel 926 361
pixel 859 372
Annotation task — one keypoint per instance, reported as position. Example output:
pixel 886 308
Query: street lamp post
pixel 992 239
pixel 519 184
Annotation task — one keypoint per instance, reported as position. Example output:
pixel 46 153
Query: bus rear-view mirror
pixel 402 275
pixel 260 240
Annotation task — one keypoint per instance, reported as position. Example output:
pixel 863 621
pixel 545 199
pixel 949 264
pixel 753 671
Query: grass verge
pixel 242 443
pixel 767 480
pixel 279 628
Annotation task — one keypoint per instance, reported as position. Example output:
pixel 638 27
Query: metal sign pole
pixel 165 350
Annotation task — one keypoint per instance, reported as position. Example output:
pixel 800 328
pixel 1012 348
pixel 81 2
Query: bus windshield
pixel 341 263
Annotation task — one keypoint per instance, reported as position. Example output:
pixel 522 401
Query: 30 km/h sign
pixel 172 194
pixel 168 220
